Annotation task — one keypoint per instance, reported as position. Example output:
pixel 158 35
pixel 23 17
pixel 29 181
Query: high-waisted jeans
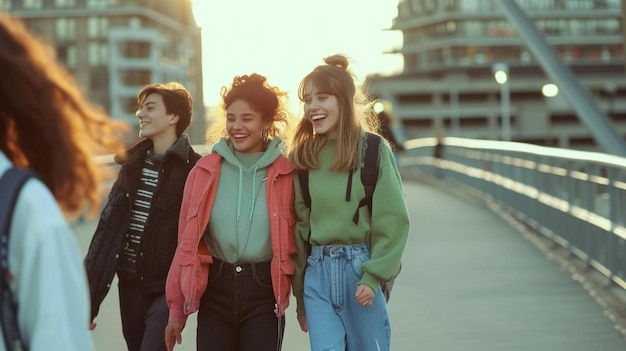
pixel 335 319
pixel 237 310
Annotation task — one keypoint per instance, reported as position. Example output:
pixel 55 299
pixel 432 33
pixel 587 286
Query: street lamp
pixel 550 90
pixel 500 72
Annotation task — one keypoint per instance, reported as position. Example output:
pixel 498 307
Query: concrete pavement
pixel 470 282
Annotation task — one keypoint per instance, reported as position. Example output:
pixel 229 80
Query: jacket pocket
pixel 188 241
pixel 188 263
pixel 287 228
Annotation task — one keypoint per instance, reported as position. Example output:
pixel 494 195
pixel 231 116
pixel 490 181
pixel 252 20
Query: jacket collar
pixel 181 149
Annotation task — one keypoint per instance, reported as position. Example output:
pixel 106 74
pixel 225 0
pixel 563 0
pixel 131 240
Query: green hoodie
pixel 239 229
pixel 330 219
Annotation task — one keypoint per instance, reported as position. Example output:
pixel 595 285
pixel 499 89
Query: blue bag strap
pixel 11 183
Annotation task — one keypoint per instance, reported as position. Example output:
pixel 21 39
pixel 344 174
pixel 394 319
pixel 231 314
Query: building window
pixel 32 4
pixel 134 22
pixel 135 49
pixel 65 28
pixel 66 54
pixel 416 8
pixel 97 54
pixel 608 26
pixel 99 81
pixel 136 77
pixel 473 29
pixel 404 10
pixel 99 3
pixel 97 27
pixel 5 5
pixel 450 5
pixel 70 57
pixel 130 105
pixel 64 3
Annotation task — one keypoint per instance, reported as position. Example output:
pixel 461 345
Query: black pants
pixel 237 310
pixel 144 317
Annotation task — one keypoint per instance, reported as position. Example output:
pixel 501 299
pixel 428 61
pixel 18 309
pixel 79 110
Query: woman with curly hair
pixel 233 262
pixel 47 126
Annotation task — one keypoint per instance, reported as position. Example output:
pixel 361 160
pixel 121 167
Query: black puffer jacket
pixel 159 238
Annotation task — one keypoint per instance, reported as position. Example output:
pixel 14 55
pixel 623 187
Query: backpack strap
pixel 10 185
pixel 369 172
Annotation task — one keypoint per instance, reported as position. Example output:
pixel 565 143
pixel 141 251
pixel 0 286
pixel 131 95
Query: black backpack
pixel 10 185
pixel 369 176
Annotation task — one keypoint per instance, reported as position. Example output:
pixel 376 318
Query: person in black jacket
pixel 137 232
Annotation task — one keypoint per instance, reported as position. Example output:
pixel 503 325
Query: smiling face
pixel 322 110
pixel 154 121
pixel 245 127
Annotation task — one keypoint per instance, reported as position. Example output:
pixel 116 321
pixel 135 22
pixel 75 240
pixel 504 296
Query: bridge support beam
pixel 586 108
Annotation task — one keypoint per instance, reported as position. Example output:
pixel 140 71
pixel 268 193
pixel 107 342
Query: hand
pixel 303 326
pixel 364 295
pixel 172 334
pixel 92 326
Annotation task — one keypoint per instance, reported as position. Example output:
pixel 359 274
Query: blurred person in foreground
pixel 48 126
pixel 138 229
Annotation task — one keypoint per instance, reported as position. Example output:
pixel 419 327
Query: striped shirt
pixel 139 212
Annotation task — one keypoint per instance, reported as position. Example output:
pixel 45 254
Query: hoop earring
pixel 265 136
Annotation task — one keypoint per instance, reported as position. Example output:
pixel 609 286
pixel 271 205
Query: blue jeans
pixel 237 309
pixel 335 319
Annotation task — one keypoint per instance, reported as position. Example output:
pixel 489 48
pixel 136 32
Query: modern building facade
pixel 451 49
pixel 115 47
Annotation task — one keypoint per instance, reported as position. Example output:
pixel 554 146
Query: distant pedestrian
pixel 137 233
pixel 234 262
pixel 386 122
pixel 343 253
pixel 47 126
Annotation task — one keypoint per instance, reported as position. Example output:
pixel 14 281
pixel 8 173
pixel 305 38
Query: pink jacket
pixel 189 272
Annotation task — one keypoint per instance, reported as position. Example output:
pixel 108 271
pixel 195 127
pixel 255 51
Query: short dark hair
pixel 177 100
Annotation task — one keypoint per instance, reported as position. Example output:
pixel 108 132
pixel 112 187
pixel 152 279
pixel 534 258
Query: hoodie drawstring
pixel 239 196
pixel 254 196
pixel 240 192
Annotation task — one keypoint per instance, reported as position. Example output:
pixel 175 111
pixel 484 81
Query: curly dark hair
pixel 268 100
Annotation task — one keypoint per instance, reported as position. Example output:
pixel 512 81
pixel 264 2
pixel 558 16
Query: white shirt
pixel 49 276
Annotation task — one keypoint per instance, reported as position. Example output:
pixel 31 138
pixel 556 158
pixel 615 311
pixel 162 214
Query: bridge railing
pixel 575 198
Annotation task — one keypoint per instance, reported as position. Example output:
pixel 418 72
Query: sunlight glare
pixel 285 39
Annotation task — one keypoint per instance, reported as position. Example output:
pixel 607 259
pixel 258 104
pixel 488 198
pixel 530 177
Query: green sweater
pixel 329 220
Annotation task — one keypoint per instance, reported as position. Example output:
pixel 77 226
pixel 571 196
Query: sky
pixel 285 39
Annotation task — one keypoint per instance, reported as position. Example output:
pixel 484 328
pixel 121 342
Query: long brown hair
pixel 355 116
pixel 47 124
